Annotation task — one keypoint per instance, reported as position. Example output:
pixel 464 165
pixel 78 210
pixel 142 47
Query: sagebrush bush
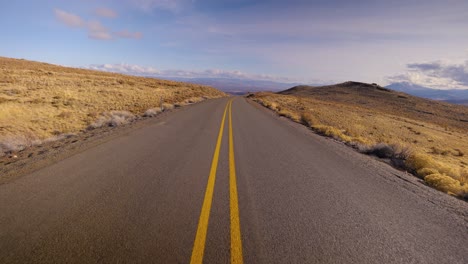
pixel 18 143
pixel 113 119
pixel 152 112
pixel 384 150
pixel 14 143
pixel 194 100
pixel 381 150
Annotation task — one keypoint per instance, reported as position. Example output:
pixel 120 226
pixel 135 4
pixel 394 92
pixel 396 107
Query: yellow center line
pixel 200 238
pixel 236 242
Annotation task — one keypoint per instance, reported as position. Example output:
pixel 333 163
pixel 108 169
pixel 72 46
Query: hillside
pixel 39 100
pixel 426 137
pixel 387 101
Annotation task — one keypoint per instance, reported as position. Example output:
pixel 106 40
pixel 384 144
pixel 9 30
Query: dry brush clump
pixel 153 112
pixel 113 119
pixel 40 101
pixel 18 143
pixel 429 150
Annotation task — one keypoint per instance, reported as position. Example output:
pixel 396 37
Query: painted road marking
pixel 236 241
pixel 200 238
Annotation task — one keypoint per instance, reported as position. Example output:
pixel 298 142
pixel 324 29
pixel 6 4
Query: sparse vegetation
pixel 153 112
pixel 427 138
pixel 113 119
pixel 40 101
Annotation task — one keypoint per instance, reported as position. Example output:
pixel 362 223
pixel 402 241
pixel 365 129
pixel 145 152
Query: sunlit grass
pixel 39 101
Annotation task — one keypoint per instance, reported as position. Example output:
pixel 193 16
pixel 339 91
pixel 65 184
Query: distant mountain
pixel 238 86
pixel 451 95
pixel 460 102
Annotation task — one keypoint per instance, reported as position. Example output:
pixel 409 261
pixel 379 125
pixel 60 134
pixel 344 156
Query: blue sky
pixel 297 41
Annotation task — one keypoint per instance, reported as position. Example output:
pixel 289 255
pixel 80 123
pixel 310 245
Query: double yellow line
pixel 200 238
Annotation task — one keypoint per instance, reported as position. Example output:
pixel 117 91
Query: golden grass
pixel 437 151
pixel 39 100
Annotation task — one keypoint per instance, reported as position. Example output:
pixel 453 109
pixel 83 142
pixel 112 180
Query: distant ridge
pixel 459 96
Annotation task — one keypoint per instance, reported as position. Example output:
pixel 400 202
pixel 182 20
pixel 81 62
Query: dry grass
pixel 40 101
pixel 432 150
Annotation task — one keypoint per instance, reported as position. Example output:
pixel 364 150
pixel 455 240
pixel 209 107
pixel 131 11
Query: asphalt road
pixel 259 189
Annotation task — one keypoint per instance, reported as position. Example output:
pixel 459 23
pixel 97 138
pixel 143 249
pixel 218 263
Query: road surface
pixel 221 183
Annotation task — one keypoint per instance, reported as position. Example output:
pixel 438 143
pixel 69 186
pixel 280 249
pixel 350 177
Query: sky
pixel 424 42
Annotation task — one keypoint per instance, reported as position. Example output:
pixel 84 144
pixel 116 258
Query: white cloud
pixel 95 29
pixel 105 12
pixel 210 73
pixel 125 68
pixel 438 75
pixel 127 34
pixel 69 19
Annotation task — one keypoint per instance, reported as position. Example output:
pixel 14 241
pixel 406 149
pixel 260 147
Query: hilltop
pixel 40 101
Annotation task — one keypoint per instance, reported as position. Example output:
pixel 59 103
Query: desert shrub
pixel 18 143
pixel 14 143
pixel 421 165
pixel 448 170
pixel 308 119
pixel 289 114
pixel 194 100
pixel 167 106
pixel 403 152
pixel 113 119
pixel 447 184
pixel 272 105
pixel 57 138
pixel 332 132
pixel 152 112
pixel 418 161
pixel 397 153
pixel 381 150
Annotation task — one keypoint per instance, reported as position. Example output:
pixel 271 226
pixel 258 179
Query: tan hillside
pixel 387 101
pixel 426 137
pixel 40 100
